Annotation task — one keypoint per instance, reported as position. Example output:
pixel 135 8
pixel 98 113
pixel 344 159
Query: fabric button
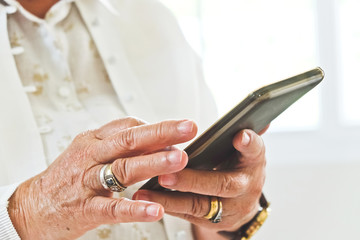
pixel 74 106
pixel 17 50
pixel 64 92
pixel 45 129
pixel 30 89
pixel 10 9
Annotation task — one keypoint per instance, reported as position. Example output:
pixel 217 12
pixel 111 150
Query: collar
pixel 55 14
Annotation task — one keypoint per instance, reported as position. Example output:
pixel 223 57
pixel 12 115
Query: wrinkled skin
pixel 67 199
pixel 239 189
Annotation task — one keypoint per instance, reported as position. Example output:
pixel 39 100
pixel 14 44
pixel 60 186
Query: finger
pixel 251 147
pixel 132 170
pixel 116 126
pixel 214 183
pixel 228 223
pixel 143 139
pixel 103 210
pixel 177 202
pixel 264 130
pixel 129 171
pixel 193 207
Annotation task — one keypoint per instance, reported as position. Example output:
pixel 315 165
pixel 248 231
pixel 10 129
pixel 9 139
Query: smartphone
pixel 255 112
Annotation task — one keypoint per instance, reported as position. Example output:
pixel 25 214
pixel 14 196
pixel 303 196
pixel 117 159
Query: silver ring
pixel 109 181
pixel 218 215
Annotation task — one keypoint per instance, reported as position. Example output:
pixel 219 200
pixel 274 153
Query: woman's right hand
pixel 67 199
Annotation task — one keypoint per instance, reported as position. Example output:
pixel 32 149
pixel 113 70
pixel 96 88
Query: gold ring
pixel 217 218
pixel 214 208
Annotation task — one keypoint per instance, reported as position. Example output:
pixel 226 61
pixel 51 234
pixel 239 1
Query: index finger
pixel 226 184
pixel 143 139
pixel 117 126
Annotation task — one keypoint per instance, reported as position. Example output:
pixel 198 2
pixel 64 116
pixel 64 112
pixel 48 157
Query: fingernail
pixel 141 196
pixel 245 139
pixel 168 148
pixel 168 179
pixel 186 126
pixel 174 157
pixel 153 210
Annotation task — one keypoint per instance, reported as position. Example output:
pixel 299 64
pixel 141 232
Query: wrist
pixel 246 231
pixel 18 211
pixel 7 229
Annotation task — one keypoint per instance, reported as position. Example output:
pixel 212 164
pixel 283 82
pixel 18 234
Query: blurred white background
pixel 313 148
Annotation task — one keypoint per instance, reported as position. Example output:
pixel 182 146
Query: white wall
pixel 313 171
pixel 312 201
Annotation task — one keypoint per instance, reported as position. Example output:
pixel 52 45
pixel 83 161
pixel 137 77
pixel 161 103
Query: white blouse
pixel 69 90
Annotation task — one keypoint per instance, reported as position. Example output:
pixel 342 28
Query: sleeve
pixel 7 230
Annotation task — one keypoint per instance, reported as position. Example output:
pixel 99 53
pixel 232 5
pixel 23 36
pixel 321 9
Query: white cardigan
pixel 152 59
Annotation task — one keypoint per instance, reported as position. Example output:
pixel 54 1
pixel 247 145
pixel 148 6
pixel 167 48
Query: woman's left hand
pixel 239 188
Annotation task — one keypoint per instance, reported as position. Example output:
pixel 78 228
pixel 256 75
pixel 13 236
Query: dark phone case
pixel 255 112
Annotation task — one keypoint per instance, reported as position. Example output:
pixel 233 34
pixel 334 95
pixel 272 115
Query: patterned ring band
pixel 109 181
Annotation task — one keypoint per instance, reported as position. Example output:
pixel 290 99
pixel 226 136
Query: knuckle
pixel 88 150
pixel 85 137
pixel 111 210
pixel 133 121
pixel 122 172
pixel 82 136
pixel 81 147
pixel 126 141
pixel 199 207
pixel 160 131
pixel 78 138
pixel 229 186
pixel 131 210
pixel 167 204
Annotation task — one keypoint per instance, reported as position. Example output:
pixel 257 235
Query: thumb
pixel 250 145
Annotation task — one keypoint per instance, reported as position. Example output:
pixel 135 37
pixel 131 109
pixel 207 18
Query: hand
pixel 238 188
pixel 67 199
